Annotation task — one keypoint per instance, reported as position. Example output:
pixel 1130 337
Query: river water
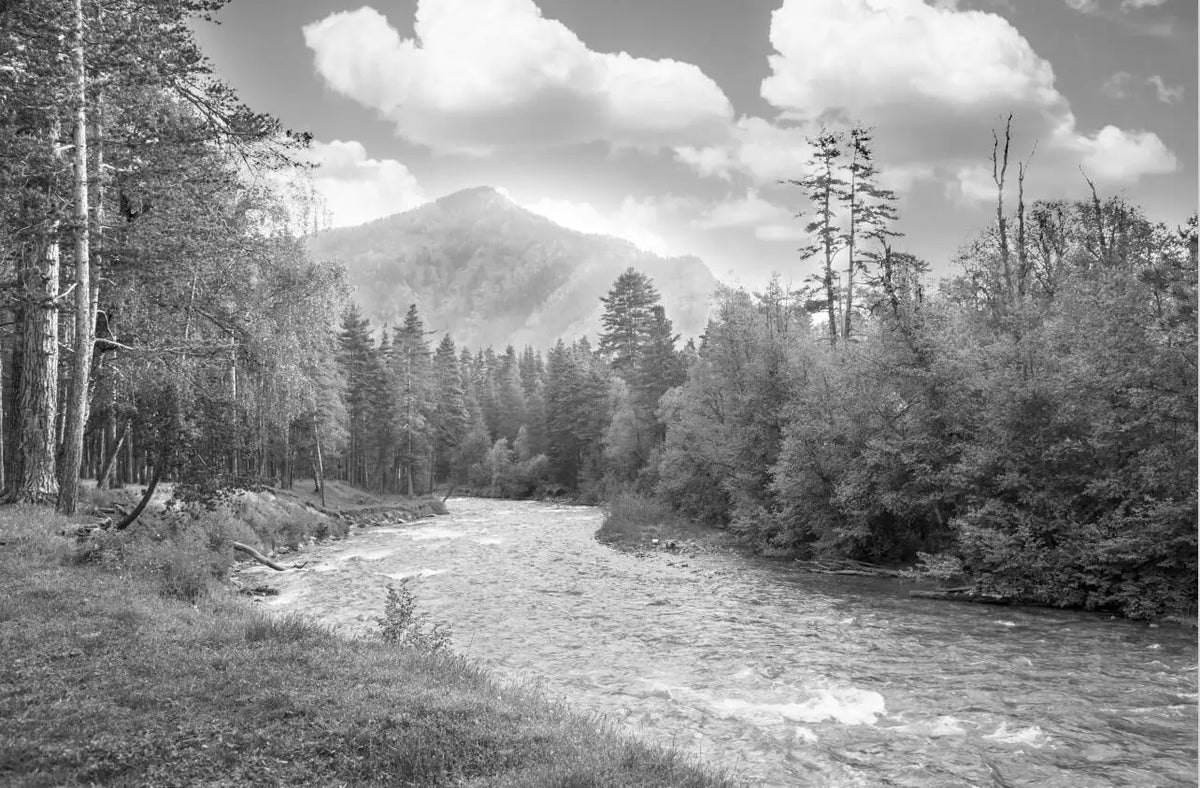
pixel 785 677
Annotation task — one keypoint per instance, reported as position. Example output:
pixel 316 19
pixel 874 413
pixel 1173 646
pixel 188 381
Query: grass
pixel 108 676
pixel 637 522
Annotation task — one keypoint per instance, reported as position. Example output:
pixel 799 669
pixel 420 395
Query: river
pixel 785 677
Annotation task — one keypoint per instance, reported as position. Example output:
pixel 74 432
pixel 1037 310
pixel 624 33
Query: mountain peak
pixel 475 198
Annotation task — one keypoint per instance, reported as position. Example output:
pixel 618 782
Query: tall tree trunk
pixel 999 171
pixel 34 478
pixel 830 294
pixel 85 323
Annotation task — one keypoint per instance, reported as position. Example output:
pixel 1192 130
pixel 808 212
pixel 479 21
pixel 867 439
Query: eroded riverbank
pixel 789 678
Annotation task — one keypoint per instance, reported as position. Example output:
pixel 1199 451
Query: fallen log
pixel 961 596
pixel 257 556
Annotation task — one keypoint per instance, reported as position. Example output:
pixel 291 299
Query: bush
pixel 402 625
pixel 635 518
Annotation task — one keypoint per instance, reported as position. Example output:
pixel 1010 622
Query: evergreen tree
pixel 359 363
pixel 450 416
pixel 822 186
pixel 415 406
pixel 871 210
pixel 627 321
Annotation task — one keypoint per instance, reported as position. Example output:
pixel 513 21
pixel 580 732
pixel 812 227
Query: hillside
pixel 492 273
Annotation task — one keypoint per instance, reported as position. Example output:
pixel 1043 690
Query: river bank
pixel 107 680
pixel 639 526
pixel 787 677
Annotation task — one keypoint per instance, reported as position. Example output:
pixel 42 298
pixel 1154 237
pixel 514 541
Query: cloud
pixel 934 82
pixel 749 211
pixel 634 220
pixel 1083 6
pixel 486 74
pixel 782 232
pixel 756 147
pixel 1134 5
pixel 358 189
pixel 1117 86
pixel 1167 94
pixel 1122 157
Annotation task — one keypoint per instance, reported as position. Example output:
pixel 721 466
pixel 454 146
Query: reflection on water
pixel 789 678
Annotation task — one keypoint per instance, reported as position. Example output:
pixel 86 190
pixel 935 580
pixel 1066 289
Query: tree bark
pixel 999 171
pixel 85 323
pixel 34 478
pixel 319 467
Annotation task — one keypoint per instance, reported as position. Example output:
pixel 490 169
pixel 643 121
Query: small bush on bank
pixel 631 517
pixel 402 625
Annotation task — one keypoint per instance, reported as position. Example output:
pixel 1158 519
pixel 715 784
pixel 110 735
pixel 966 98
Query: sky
pixel 676 123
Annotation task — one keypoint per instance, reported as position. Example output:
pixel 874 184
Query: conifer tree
pixel 628 320
pixel 871 210
pixel 822 186
pixel 450 416
pixel 415 387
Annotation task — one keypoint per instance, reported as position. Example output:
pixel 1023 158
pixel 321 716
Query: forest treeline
pixel 1029 424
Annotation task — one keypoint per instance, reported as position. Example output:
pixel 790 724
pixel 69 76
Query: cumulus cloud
pixel 486 74
pixel 934 81
pixel 356 188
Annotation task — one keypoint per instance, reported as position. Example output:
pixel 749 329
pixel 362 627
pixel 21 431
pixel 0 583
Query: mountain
pixel 490 272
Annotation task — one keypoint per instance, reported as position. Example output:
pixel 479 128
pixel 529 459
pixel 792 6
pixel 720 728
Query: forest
pixel 1028 423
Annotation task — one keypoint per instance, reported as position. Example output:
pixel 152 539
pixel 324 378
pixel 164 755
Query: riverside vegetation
pixel 131 663
pixel 1028 426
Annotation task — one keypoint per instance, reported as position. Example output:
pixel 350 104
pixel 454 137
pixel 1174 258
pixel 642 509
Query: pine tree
pixel 356 355
pixel 510 399
pixel 450 416
pixel 871 211
pixel 822 186
pixel 415 386
pixel 628 320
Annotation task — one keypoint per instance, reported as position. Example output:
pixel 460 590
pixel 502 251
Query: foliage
pixel 402 625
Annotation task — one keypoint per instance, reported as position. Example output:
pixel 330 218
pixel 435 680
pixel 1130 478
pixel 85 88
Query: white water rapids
pixel 785 677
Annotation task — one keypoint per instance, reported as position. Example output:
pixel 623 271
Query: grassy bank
pixel 112 672
pixel 637 523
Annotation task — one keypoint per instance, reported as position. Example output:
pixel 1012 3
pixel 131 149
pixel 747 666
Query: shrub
pixel 402 625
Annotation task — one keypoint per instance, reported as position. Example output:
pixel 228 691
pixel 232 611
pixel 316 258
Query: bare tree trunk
pixel 106 468
pixel 85 323
pixel 999 171
pixel 319 467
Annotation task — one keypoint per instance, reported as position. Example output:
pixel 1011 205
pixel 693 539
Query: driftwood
pixel 854 568
pixel 257 556
pixel 959 595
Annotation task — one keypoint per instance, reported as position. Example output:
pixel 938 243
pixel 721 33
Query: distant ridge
pixel 493 273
